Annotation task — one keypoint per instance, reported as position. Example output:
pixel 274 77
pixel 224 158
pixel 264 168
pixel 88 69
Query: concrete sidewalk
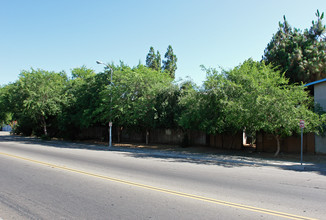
pixel 229 157
pixel 201 154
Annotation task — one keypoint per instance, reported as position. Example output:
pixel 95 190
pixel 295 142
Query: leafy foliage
pixel 301 55
pixel 189 117
pixel 255 97
pixel 5 115
pixel 37 98
pixel 153 60
pixel 82 94
pixel 134 93
pixel 170 62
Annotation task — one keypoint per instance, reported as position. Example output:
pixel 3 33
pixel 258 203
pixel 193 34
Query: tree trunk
pixel 44 126
pixel 277 137
pixel 147 136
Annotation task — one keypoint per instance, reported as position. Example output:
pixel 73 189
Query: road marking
pixel 167 191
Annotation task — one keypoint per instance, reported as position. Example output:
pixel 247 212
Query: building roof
pixel 316 82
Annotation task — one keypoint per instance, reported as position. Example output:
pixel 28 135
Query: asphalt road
pixel 62 180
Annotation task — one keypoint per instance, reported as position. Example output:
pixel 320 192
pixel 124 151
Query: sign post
pixel 302 127
pixel 110 141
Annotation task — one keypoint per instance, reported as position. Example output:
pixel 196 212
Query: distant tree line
pixel 253 96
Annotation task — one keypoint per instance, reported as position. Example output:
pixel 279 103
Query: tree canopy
pixel 170 62
pixel 153 60
pixel 35 99
pixel 254 97
pixel 300 55
pixel 5 112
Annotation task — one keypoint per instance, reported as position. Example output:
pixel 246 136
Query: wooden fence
pixel 264 142
pixel 267 143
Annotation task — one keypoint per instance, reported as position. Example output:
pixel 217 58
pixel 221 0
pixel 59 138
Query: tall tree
pixel 255 97
pixel 301 55
pixel 82 100
pixel 158 61
pixel 190 104
pixel 153 60
pixel 5 115
pixel 150 58
pixel 38 97
pixel 134 98
pixel 166 106
pixel 170 62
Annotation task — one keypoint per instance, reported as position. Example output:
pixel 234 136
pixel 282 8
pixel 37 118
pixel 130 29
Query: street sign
pixel 110 124
pixel 302 127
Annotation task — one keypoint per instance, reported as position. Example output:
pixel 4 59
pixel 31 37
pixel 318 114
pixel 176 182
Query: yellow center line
pixel 167 191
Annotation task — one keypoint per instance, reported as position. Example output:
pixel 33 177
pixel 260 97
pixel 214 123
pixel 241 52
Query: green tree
pixel 301 55
pixel 255 97
pixel 166 106
pixel 133 96
pixel 38 97
pixel 82 101
pixel 153 60
pixel 190 105
pixel 158 61
pixel 5 114
pixel 82 73
pixel 170 62
pixel 219 91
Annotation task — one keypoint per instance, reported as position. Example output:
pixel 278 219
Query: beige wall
pixel 320 94
pixel 320 97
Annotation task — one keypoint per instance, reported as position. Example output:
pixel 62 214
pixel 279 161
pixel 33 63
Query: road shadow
pixel 225 159
pixel 51 143
pixel 231 161
pixel 307 167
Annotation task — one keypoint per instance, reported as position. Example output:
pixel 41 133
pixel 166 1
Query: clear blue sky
pixel 60 35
